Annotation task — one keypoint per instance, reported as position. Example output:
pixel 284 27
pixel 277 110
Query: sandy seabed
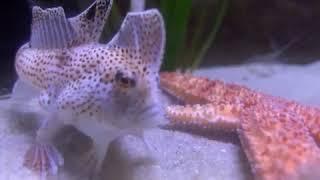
pixel 160 154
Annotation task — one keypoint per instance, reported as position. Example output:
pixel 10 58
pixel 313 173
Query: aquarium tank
pixel 159 89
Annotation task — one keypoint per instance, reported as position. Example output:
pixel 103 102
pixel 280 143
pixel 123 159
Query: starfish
pixel 114 84
pixel 279 136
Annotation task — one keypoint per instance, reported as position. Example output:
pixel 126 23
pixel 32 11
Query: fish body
pixel 114 83
pixel 88 79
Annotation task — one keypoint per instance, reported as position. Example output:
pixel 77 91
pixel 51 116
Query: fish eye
pixel 124 81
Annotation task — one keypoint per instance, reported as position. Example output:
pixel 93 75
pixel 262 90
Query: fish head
pixel 135 55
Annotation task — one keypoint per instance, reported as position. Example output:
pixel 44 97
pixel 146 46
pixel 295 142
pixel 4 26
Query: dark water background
pixel 15 17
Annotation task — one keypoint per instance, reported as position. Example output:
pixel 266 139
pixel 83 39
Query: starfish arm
pixel 310 115
pixel 183 87
pixel 204 116
pixel 198 90
pixel 277 144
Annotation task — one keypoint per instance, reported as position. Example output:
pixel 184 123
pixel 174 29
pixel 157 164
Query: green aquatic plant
pixel 201 51
pixel 185 49
pixel 176 14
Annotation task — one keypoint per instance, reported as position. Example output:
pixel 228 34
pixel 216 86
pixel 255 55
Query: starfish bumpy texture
pixel 279 136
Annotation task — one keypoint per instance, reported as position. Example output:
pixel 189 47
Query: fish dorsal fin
pixel 51 29
pixel 145 32
pixel 89 24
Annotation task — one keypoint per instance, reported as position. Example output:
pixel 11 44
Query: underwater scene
pixel 159 90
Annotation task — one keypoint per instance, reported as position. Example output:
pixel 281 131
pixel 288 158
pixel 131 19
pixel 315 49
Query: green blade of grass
pixel 197 35
pixel 176 15
pixel 221 14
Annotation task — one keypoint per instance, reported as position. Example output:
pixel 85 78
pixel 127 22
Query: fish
pixel 114 84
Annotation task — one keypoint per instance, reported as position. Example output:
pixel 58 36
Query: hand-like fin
pixel 51 29
pixel 143 31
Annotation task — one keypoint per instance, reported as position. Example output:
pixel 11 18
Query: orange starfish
pixel 279 136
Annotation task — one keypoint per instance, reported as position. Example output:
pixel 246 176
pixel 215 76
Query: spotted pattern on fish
pixel 88 77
